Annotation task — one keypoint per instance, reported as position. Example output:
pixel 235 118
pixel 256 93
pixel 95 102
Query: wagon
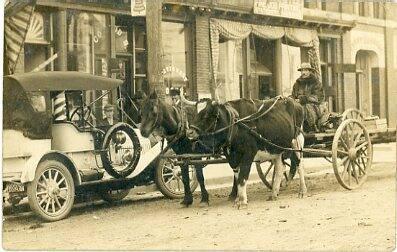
pixel 348 148
pixel 53 147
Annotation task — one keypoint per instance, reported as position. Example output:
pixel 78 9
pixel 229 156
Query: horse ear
pixel 214 103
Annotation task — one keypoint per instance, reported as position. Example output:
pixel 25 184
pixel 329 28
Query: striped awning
pixel 16 23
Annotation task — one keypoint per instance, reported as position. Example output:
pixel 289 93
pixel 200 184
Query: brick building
pixel 224 48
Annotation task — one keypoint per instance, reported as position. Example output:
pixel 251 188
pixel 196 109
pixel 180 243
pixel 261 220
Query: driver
pixel 109 118
pixel 309 92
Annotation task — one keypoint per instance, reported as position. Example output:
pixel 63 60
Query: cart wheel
pixel 168 178
pixel 352 113
pixel 351 154
pixel 121 150
pixel 112 196
pixel 51 193
pixel 264 173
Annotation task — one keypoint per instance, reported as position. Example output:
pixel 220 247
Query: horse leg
pixel 278 170
pixel 188 198
pixel 242 199
pixel 303 188
pixel 233 193
pixel 204 194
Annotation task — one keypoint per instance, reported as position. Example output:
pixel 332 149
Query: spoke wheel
pixel 121 150
pixel 112 196
pixel 168 178
pixel 352 113
pixel 351 154
pixel 51 193
pixel 266 173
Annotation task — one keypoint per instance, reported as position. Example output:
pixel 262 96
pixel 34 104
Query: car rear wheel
pixel 51 193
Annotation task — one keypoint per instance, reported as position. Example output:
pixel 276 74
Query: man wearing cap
pixel 109 118
pixel 309 91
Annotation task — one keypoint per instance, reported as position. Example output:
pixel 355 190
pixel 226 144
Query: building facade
pixel 224 49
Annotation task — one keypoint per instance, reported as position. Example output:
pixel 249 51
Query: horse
pixel 262 135
pixel 168 122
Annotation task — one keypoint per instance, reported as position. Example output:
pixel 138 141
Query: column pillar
pixel 60 40
pixel 154 46
pixel 278 67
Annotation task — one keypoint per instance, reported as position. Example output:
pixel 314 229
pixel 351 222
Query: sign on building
pixel 279 8
pixel 138 7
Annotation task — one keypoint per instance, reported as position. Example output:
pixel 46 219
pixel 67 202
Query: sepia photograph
pixel 194 125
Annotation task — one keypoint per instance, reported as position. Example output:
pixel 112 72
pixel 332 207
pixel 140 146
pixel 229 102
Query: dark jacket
pixel 308 90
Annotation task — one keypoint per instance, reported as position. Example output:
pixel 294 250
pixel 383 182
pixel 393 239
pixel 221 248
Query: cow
pixel 264 135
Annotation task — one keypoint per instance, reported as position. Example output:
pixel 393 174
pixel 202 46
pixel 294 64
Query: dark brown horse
pixel 277 120
pixel 167 121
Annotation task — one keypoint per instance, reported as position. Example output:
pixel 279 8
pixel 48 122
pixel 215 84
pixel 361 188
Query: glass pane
pixel 140 62
pixel 174 53
pixel 87 36
pixel 140 36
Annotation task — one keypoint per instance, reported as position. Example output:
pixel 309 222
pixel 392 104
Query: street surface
pixel 329 218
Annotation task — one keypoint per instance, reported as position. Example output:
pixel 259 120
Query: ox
pixel 261 136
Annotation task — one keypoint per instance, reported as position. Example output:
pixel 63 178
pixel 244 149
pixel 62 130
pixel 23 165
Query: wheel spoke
pixel 53 205
pixel 361 169
pixel 361 146
pixel 354 172
pixel 56 176
pixel 41 185
pixel 42 177
pixel 348 173
pixel 268 169
pixel 344 145
pixel 43 200
pixel 345 168
pixel 357 137
pixel 167 174
pixel 42 192
pixel 60 181
pixel 58 203
pixel 170 180
pixel 47 205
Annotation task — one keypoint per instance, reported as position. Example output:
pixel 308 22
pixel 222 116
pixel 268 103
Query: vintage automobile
pixel 53 147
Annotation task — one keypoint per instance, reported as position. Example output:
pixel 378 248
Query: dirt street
pixel 330 218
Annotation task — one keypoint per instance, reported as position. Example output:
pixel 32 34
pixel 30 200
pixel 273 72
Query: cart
pixel 348 148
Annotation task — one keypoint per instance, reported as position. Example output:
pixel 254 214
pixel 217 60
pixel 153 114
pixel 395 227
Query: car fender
pixel 28 174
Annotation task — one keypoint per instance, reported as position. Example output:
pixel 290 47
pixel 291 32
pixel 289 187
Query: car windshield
pixel 29 112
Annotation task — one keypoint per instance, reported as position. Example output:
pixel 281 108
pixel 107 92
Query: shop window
pixel 175 49
pixel 262 58
pixel 37 48
pixel 88 48
pixel 88 41
pixel 230 83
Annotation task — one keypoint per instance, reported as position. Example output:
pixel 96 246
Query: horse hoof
pixel 186 203
pixel 232 198
pixel 204 204
pixel 301 195
pixel 272 198
pixel 284 184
